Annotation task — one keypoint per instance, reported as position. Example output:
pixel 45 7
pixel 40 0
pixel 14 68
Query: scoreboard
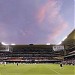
pixel 58 47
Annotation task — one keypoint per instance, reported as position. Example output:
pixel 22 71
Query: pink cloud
pixel 41 13
pixel 49 8
pixel 57 32
pixel 50 13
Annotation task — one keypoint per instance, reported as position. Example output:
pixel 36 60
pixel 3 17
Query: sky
pixel 35 21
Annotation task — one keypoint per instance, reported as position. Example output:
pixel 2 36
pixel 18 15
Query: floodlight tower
pixel 47 43
pixel 6 45
pixel 13 44
pixel 6 50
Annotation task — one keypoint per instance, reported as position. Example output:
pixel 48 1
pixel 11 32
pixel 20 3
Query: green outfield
pixel 36 69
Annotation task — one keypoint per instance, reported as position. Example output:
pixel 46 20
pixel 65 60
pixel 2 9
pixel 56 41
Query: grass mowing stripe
pixel 55 71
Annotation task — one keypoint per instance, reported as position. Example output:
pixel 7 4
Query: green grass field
pixel 36 69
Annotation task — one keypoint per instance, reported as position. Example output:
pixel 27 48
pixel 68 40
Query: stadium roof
pixel 70 38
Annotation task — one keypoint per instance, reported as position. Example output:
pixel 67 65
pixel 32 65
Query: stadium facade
pixel 31 54
pixel 40 53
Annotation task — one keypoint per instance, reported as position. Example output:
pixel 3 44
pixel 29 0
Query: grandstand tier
pixel 31 53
